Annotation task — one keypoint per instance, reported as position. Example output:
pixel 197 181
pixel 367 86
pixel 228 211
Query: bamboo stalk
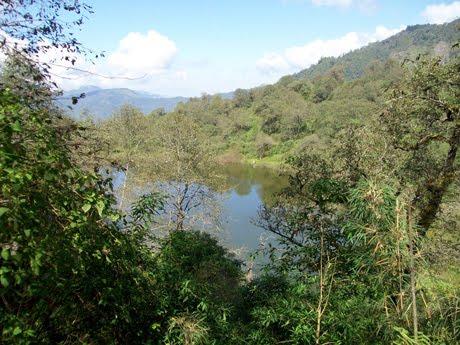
pixel 321 287
pixel 412 273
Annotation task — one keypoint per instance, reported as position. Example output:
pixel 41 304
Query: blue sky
pixel 189 47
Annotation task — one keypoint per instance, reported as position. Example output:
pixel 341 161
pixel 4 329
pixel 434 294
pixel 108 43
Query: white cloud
pixel 310 53
pixel 382 33
pixel 272 62
pixel 442 13
pixel 306 55
pixel 138 56
pixel 140 61
pixel 150 53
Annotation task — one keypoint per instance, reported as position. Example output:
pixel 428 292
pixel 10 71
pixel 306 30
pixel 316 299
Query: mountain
pixel 101 103
pixel 313 108
pixel 409 43
pixel 414 40
pixel 227 95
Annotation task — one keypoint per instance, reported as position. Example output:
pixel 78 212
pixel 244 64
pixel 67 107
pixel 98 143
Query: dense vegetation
pixel 311 109
pixel 411 42
pixel 367 229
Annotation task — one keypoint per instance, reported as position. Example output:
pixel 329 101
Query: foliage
pixel 345 229
pixel 72 271
pixel 357 226
pixel 200 282
pixel 422 120
pixel 415 40
pixel 41 25
pixel 66 271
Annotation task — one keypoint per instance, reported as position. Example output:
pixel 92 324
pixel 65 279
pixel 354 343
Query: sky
pixel 186 48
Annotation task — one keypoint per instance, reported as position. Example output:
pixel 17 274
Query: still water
pixel 247 188
pixel 250 187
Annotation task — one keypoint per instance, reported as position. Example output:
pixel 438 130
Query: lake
pixel 247 187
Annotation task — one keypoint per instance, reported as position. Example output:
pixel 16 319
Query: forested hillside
pixel 314 107
pixel 414 40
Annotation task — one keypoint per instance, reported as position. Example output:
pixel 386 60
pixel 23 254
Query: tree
pixel 263 144
pixel 422 120
pixel 74 269
pixel 61 251
pixel 185 164
pixel 31 28
pixel 303 87
pixel 325 85
pixel 242 98
pixel 350 246
pixel 126 135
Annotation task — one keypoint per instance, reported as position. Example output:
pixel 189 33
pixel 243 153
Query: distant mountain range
pixel 101 103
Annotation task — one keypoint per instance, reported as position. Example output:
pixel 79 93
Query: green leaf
pixel 35 263
pixel 4 281
pixel 86 207
pixel 155 326
pixel 5 254
pixel 114 217
pixel 16 126
pixel 100 207
pixel 3 210
pixel 17 330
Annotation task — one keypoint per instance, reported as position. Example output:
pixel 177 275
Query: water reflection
pixel 248 188
pixel 243 190
pixel 244 178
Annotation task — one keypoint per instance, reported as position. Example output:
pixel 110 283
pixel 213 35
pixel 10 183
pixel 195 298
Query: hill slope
pixel 311 109
pixel 414 40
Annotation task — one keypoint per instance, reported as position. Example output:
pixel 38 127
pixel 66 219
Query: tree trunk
pixel 181 210
pixel 431 193
pixel 124 187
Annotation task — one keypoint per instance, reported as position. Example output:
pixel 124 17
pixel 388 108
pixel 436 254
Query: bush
pixel 263 145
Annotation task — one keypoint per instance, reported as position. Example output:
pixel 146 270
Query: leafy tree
pixel 61 254
pixel 263 145
pixel 127 135
pixel 354 209
pixel 242 98
pixel 73 270
pixel 422 121
pixel 303 87
pixel 185 164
